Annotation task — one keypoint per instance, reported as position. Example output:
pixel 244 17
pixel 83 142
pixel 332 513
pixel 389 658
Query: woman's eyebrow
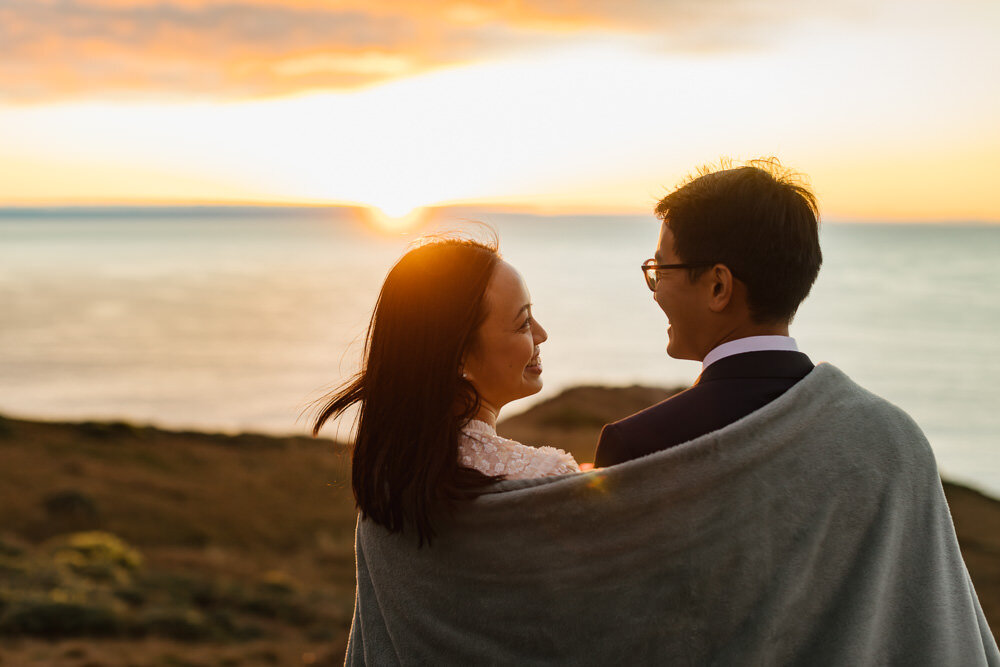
pixel 525 307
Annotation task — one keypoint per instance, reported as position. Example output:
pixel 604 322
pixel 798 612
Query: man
pixel 738 252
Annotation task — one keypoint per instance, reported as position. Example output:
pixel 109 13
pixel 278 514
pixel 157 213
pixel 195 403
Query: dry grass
pixel 289 651
pixel 218 520
pixel 160 488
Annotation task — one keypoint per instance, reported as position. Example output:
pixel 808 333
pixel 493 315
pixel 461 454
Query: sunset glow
pixel 534 106
pixel 396 221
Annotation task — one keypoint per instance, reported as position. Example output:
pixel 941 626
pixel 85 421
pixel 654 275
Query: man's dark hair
pixel 761 221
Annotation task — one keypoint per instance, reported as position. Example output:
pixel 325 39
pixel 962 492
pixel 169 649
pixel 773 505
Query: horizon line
pixel 61 208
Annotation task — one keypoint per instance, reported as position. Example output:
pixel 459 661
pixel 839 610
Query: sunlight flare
pixel 395 220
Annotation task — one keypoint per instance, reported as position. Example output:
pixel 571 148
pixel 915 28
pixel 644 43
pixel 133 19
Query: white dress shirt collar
pixel 749 344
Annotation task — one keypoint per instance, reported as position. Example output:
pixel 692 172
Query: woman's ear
pixel 464 370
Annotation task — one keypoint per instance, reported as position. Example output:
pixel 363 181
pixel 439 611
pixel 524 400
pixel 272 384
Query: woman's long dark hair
pixel 413 399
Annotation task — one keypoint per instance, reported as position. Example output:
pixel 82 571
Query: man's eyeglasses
pixel 650 270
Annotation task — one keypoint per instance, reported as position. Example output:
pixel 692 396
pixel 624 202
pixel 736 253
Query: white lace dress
pixel 481 448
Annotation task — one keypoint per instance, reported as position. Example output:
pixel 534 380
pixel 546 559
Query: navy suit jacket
pixel 728 390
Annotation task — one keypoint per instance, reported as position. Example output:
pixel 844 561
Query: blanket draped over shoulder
pixel 814 532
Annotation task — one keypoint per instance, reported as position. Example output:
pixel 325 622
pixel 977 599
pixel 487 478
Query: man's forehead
pixel 665 244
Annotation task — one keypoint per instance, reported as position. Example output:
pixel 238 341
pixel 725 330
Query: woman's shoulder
pixel 553 461
pixel 481 448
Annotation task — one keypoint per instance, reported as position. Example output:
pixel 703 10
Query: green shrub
pixel 70 504
pixel 12 567
pixel 177 623
pixel 53 618
pixel 130 595
pixel 99 548
pixel 109 430
pixel 171 660
pixel 225 625
pixel 9 547
pixel 276 582
pixel 108 573
pixel 183 589
pixel 279 608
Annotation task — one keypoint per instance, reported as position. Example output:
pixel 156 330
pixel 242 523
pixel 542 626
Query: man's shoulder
pixel 828 401
pixel 658 427
pixel 728 389
pixel 668 409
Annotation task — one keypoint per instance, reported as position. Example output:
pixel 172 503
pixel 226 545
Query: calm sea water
pixel 236 320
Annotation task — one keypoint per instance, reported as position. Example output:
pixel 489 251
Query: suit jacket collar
pixel 755 365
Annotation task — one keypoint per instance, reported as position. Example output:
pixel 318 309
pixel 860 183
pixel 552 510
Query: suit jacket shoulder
pixel 727 391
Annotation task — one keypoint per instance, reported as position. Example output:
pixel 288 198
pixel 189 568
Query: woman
pixel 452 340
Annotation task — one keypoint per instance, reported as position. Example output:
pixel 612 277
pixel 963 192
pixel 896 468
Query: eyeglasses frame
pixel 651 280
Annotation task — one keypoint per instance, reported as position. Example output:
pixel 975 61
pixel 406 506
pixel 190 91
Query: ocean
pixel 233 319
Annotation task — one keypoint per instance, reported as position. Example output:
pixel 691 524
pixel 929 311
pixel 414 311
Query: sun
pixel 396 220
pixel 396 209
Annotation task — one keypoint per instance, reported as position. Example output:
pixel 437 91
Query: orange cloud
pixel 246 48
pixel 538 13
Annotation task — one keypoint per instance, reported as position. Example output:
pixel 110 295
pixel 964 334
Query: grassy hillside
pixel 125 545
pixel 174 548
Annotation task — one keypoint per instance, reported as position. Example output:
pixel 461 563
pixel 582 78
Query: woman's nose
pixel 540 334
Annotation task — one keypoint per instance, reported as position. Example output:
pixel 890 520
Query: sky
pixel 890 108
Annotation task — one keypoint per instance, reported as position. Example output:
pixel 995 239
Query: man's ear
pixel 720 285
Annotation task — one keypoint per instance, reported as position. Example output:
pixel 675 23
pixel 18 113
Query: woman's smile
pixel 535 365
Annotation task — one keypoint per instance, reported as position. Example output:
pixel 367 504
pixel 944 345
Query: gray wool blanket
pixel 812 532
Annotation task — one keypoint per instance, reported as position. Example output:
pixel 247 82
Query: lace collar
pixel 478 426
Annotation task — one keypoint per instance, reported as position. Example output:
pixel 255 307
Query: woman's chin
pixel 532 382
